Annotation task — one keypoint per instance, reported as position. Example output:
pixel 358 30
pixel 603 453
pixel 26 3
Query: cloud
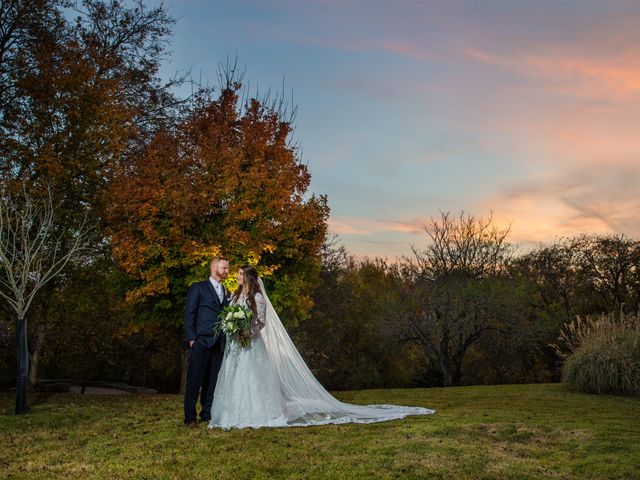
pixel 372 227
pixel 588 200
pixel 403 48
pixel 340 226
pixel 569 70
pixel 530 109
pixel 378 89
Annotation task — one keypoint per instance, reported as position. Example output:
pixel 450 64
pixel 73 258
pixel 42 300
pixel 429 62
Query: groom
pixel 205 301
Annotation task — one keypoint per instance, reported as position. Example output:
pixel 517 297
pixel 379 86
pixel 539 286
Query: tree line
pixel 466 309
pixel 166 181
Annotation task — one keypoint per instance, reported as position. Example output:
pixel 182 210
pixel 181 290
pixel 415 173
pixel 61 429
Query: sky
pixel 527 111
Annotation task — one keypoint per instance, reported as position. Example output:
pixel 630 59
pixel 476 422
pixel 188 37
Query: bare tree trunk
pixel 447 373
pixel 184 357
pixel 35 356
pixel 33 252
pixel 23 367
pixel 457 372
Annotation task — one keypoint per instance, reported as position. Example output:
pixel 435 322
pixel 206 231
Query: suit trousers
pixel 202 375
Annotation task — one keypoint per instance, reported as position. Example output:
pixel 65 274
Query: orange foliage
pixel 225 181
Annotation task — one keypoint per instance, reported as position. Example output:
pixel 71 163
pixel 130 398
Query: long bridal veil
pixel 306 402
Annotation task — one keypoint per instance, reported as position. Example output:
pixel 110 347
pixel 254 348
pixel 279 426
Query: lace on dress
pixel 258 322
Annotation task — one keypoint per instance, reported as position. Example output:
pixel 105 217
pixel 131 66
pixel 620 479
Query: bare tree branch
pixel 452 286
pixel 31 248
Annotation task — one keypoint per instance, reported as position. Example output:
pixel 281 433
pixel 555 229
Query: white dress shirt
pixel 218 288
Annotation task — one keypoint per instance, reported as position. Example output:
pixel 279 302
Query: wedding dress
pixel 268 384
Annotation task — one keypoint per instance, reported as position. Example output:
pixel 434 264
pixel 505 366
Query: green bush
pixel 605 355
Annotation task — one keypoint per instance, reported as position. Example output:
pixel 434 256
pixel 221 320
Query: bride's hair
pixel 251 281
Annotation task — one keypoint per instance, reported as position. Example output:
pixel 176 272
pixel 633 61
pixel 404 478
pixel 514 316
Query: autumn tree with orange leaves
pixel 79 89
pixel 225 181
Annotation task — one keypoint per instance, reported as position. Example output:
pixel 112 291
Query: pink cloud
pixel 341 226
pixel 613 78
pixel 371 227
pixel 569 202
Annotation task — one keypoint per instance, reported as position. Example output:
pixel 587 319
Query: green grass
pixel 509 431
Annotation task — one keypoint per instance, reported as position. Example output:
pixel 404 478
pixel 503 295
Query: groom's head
pixel 219 268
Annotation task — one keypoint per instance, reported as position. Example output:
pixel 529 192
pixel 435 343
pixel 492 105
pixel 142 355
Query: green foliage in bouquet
pixel 235 320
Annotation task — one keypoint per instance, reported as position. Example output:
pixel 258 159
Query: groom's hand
pixel 191 343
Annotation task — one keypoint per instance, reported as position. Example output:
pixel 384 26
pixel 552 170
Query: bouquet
pixel 235 320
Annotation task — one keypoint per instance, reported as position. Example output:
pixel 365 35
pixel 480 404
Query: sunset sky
pixel 529 109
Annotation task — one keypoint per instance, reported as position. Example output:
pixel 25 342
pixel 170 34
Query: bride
pixel 268 384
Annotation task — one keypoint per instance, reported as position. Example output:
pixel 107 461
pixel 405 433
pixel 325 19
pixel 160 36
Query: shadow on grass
pixel 8 409
pixel 39 398
pixel 34 399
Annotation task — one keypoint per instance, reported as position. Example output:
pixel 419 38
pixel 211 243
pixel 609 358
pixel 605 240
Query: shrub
pixel 602 354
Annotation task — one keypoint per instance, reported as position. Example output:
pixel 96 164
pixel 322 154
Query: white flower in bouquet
pixel 235 319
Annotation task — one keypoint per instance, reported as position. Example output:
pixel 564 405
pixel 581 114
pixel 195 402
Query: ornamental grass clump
pixel 601 354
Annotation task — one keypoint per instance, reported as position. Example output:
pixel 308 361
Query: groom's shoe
pixel 193 424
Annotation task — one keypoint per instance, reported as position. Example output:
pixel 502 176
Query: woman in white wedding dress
pixel 268 384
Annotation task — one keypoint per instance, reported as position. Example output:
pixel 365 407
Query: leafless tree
pixel 33 250
pixel 454 287
pixel 465 244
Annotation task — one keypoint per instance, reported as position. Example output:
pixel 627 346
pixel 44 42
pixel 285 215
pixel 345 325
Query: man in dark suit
pixel 205 301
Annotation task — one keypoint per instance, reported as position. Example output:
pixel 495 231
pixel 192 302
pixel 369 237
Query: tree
pixel 585 274
pixel 31 254
pixel 608 270
pixel 454 288
pixel 22 24
pixel 225 181
pixel 77 95
pixel 350 342
pixel 552 269
pixel 514 348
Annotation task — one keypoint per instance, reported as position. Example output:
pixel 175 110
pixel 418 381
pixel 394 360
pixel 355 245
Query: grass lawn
pixel 507 431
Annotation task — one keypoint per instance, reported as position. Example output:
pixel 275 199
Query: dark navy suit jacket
pixel 201 312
